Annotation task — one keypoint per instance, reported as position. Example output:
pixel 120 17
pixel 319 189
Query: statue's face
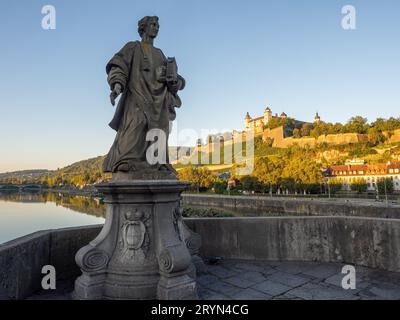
pixel 152 28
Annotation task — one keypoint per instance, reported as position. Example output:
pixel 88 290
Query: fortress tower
pixel 267 115
pixel 317 118
pixel 247 120
pixel 257 124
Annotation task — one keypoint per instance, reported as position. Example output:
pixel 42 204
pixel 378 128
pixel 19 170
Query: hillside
pixel 23 174
pixel 323 154
pixel 81 173
pixel 381 144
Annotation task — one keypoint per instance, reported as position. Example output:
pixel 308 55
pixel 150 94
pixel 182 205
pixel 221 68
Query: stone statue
pixel 148 82
pixel 145 250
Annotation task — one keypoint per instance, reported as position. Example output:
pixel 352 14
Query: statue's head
pixel 149 26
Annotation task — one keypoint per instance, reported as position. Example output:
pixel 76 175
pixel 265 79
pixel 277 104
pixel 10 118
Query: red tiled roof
pixel 364 169
pixel 394 165
pixel 339 168
pixel 359 167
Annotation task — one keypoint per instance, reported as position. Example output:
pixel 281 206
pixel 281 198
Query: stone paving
pixel 235 279
pixel 250 280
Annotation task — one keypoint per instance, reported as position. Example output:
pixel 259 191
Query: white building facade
pixel 370 173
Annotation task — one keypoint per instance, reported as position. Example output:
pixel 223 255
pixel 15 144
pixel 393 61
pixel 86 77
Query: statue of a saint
pixel 148 82
pixel 143 250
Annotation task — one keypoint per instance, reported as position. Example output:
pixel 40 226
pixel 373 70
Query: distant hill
pixel 23 173
pixel 81 173
pixel 80 167
pixel 89 170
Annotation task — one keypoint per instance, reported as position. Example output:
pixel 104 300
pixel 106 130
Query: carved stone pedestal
pixel 142 251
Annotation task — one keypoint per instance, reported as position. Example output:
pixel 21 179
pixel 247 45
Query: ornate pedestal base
pixel 144 250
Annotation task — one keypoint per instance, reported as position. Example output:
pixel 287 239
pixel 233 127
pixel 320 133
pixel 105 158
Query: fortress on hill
pixel 278 131
pixel 260 123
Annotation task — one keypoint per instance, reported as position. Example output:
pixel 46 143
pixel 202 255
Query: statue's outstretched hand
pixel 115 93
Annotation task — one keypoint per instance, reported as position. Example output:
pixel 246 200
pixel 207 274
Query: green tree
pixel 304 172
pixel 306 129
pixel 337 128
pixel 219 185
pixel 200 177
pixel 359 185
pixel 375 136
pixel 322 128
pixel 383 125
pixel 296 133
pixel 334 186
pixel 357 124
pixel 268 171
pixel 385 186
pixel 250 183
pixel 274 123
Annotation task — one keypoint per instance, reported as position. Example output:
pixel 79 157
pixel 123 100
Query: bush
pixel 359 185
pixel 219 186
pixel 204 213
pixel 385 186
pixel 250 183
pixel 334 186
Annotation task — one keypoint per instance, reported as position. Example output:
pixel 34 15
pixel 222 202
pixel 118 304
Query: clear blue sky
pixel 236 56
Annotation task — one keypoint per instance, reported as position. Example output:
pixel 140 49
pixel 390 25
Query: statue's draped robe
pixel 146 103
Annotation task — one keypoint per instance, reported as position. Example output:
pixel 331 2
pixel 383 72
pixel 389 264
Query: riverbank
pixel 264 205
pixel 278 206
pixel 88 192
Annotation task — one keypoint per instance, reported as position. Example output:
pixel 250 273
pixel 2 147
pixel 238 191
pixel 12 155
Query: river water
pixel 24 213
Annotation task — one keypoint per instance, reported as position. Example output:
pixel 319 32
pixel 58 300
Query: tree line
pixel 378 131
pixel 285 170
pixel 293 170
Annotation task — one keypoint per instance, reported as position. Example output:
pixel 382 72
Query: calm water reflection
pixel 24 213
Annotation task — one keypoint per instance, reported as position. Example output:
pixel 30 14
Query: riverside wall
pixel 266 205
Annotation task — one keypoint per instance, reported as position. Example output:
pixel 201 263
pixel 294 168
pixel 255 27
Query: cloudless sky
pixel 236 56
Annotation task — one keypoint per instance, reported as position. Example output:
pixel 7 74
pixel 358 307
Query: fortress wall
pixel 363 137
pixel 395 137
pixel 283 143
pixel 276 135
pixel 303 142
pixel 229 142
pixel 279 141
pixel 343 138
